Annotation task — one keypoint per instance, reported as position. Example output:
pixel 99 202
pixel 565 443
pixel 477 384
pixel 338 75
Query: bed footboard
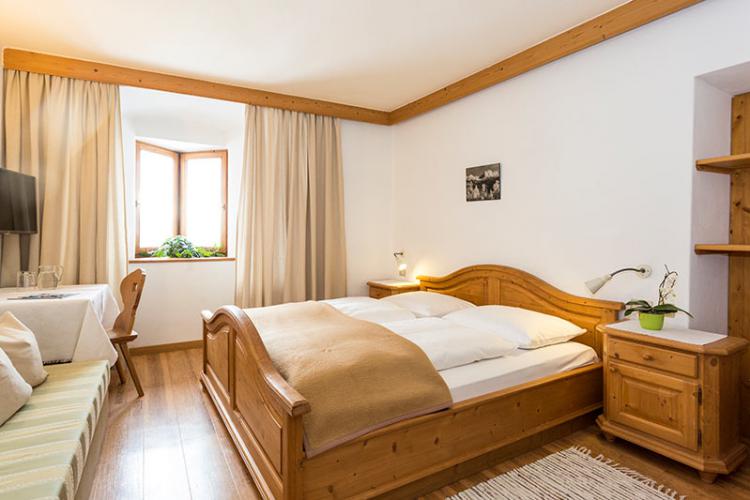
pixel 415 456
pixel 262 413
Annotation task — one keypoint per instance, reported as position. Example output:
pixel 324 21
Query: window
pixel 180 193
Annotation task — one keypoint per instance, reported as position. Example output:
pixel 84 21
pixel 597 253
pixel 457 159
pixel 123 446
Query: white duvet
pixel 472 361
pixel 449 345
pixel 446 343
pixel 369 309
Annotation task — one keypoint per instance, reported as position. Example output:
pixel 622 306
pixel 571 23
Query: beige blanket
pixel 356 375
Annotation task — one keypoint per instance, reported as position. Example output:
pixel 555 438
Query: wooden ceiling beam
pixel 619 20
pixel 106 73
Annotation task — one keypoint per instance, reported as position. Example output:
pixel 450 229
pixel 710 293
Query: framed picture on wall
pixel 483 183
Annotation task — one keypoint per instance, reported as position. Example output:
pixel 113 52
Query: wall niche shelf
pixel 724 164
pixel 728 249
pixel 737 165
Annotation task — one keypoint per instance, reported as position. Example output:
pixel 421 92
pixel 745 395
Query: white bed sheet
pixel 516 368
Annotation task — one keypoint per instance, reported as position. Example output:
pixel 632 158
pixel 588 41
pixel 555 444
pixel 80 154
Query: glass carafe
pixel 49 277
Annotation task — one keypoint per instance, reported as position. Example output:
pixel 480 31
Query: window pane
pixel 156 196
pixel 204 201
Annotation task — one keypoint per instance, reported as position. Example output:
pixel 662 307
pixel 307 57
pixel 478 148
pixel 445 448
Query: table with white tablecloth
pixel 71 328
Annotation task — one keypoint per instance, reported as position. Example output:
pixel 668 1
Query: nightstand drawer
pixel 386 288
pixel 680 363
pixel 379 293
pixel 662 406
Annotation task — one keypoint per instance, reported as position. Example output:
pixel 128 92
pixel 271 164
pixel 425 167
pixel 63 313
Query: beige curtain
pixel 290 233
pixel 67 134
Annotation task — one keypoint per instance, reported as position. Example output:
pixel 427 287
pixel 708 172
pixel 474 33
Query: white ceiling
pixel 732 80
pixel 179 146
pixel 140 106
pixel 195 123
pixel 372 53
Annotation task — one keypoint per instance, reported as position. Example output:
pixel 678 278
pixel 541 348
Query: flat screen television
pixel 17 202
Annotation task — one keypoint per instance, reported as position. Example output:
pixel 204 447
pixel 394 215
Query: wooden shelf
pixel 729 249
pixel 724 164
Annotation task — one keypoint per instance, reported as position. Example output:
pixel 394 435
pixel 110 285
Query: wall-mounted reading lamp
pixel 595 284
pixel 400 264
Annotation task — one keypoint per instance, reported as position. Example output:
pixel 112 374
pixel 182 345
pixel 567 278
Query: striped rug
pixel 569 474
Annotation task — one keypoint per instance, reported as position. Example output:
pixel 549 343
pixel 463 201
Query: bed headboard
pixel 492 284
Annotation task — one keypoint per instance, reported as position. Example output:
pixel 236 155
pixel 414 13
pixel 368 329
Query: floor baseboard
pixel 176 346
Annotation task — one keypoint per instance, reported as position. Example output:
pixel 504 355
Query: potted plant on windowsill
pixel 179 247
pixel 651 317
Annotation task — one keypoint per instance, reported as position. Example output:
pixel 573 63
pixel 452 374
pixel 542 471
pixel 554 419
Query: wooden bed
pixel 263 414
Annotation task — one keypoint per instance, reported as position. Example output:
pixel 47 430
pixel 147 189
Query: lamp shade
pixel 595 284
pixel 402 269
pixel 400 264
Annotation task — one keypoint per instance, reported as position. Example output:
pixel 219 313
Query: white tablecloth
pixel 73 328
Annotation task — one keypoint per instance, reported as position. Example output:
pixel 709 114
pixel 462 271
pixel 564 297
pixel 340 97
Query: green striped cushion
pixel 44 446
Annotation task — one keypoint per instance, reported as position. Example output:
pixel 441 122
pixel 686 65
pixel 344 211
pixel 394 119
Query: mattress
pixel 518 367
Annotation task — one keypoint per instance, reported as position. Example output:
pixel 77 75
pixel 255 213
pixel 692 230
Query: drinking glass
pixel 26 279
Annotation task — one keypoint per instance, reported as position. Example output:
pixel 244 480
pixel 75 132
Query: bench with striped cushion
pixel 43 447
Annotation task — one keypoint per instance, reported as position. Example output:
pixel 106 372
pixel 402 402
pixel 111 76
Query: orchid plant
pixel 663 306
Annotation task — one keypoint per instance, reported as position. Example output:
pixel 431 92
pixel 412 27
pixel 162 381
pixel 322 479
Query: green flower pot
pixel 651 321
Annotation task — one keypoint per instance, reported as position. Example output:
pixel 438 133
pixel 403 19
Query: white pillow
pixel 20 345
pixel 14 391
pixel 449 345
pixel 528 329
pixel 428 304
pixel 369 309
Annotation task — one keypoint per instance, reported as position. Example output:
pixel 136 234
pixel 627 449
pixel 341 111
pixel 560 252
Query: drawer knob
pixel 648 357
pixel 612 369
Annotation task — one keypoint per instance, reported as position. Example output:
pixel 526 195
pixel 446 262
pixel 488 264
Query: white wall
pixel 175 294
pixel 709 275
pixel 368 201
pixel 597 154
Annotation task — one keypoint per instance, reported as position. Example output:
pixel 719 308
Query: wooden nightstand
pixel 385 288
pixel 675 392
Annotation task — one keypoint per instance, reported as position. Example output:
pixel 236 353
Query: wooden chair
pixel 122 332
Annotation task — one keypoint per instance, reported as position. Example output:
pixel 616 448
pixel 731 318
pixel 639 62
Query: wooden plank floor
pixel 171 444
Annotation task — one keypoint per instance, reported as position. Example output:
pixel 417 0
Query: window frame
pixel 141 146
pixel 213 153
pixel 180 176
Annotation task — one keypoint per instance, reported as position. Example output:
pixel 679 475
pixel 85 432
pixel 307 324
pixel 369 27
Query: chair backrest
pixel 130 290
